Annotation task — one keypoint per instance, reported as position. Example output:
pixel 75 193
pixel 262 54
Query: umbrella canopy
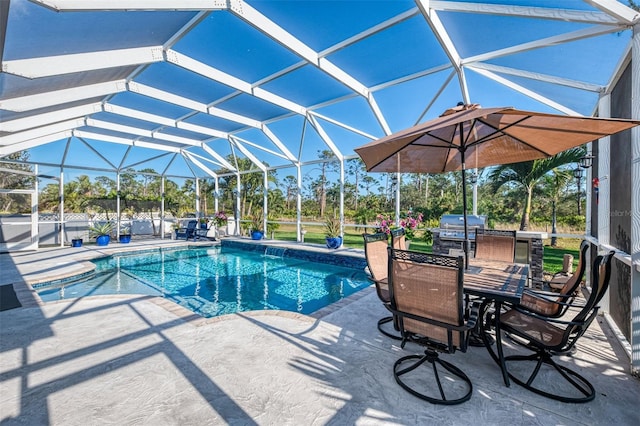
pixel 468 136
pixel 481 137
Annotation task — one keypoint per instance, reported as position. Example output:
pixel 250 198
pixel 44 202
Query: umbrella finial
pixel 460 107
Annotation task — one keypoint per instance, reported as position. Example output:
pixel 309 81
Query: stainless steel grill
pixel 450 236
pixel 452 226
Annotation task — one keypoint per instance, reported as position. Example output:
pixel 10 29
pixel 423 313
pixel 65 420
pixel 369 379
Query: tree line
pixel 533 191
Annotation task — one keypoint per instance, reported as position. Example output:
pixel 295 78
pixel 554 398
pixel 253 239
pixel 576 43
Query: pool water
pixel 215 281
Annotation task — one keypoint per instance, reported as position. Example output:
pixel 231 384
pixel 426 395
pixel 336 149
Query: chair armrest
pixel 547 295
pixel 557 321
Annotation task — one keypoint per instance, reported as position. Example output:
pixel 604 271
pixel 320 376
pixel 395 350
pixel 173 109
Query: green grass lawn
pixel 552 260
pixel 554 256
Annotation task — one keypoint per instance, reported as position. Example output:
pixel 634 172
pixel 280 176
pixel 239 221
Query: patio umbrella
pixel 469 137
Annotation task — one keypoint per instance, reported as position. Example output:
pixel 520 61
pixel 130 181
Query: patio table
pixel 495 280
pixel 495 283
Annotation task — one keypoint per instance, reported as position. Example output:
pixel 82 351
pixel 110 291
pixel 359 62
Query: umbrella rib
pixel 502 131
pixel 394 153
pixel 448 147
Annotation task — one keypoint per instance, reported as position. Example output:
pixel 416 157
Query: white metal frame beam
pixel 78 62
pixel 32 143
pixel 29 122
pixel 238 144
pixel 546 42
pixel 86 5
pixel 276 32
pixel 530 93
pixel 442 35
pixel 587 17
pixel 198 163
pixel 214 74
pixel 43 131
pixel 616 9
pixel 580 85
pixel 58 97
pixel 164 121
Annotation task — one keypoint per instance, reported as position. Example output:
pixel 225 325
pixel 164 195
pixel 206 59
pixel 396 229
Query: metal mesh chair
pixel 554 305
pixel 493 244
pixel 427 298
pixel 547 336
pixel 375 251
pixel 398 239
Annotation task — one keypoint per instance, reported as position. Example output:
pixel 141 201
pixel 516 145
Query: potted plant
pixel 76 242
pixel 102 233
pixel 220 219
pixel 125 235
pixel 332 232
pixel 203 222
pixel 257 233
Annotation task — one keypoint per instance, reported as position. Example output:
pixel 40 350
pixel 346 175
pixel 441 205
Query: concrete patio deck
pixel 145 360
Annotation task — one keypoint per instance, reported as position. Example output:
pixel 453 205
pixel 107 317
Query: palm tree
pixel 528 174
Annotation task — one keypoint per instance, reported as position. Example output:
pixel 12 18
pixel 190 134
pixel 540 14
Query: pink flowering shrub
pixel 410 223
pixel 384 224
pixel 220 218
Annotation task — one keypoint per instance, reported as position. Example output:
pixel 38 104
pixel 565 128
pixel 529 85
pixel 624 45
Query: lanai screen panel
pixel 273 80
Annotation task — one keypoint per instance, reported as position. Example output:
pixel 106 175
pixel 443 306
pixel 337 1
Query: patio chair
pixel 427 298
pixel 548 336
pixel 375 252
pixel 189 231
pixel 552 304
pixel 494 244
pixel 203 232
pixel 398 239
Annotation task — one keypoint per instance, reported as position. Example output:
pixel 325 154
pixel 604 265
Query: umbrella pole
pixel 464 207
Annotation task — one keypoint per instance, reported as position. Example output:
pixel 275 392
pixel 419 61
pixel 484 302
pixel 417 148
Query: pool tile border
pixel 310 254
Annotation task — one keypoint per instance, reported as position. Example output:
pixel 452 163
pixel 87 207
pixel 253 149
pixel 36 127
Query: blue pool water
pixel 215 281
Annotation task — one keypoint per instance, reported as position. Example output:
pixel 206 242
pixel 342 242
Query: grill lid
pixel 456 221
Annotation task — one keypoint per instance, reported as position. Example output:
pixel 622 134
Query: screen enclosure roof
pixel 186 87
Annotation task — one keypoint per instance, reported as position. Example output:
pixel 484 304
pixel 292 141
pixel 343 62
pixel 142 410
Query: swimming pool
pixel 216 281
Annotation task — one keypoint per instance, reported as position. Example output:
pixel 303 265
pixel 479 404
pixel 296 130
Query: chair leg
pixel 541 358
pixel 573 378
pixel 391 335
pixel 432 358
pixel 502 362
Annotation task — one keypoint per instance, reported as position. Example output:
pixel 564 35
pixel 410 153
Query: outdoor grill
pixel 450 235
